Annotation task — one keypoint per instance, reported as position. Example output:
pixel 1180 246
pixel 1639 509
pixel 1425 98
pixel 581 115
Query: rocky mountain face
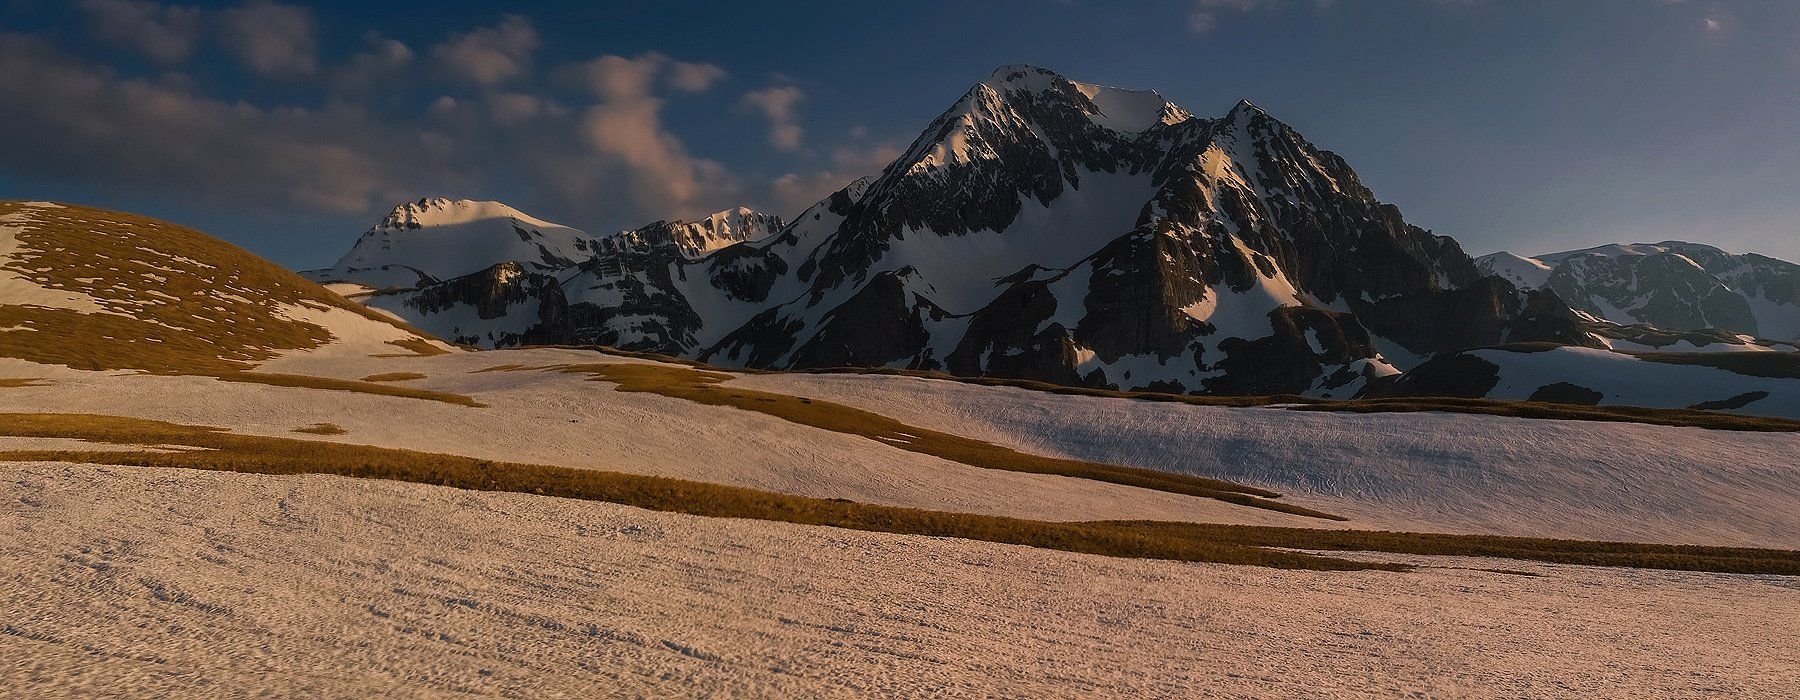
pixel 1671 286
pixel 1041 228
pixel 1048 229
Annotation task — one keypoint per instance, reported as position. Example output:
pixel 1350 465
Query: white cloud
pixel 270 38
pixel 165 34
pixel 779 105
pixel 695 77
pixel 490 55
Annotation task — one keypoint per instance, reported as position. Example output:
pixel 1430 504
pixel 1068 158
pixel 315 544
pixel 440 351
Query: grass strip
pixel 705 387
pixel 1738 560
pixel 1196 542
pixel 307 381
pixel 393 377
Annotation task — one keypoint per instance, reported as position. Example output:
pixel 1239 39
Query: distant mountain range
pixel 1047 229
pixel 1671 285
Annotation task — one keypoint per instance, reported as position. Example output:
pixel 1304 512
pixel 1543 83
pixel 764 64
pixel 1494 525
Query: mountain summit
pixel 1040 228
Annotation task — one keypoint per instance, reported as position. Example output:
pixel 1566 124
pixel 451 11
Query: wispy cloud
pixel 270 38
pixel 166 34
pixel 780 105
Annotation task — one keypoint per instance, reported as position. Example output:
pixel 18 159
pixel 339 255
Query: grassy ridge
pixel 307 381
pixel 1229 544
pixel 705 387
pixel 1743 560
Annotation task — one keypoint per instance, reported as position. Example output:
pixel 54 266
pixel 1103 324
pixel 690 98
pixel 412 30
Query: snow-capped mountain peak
pixel 437 238
pixel 1674 285
pixel 1119 109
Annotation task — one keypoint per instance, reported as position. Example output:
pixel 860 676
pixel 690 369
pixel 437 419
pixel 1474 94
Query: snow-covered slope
pixel 138 582
pixel 436 239
pixel 1672 285
pixel 95 289
pixel 1761 383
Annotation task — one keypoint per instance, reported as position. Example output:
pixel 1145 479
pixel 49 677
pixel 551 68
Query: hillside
pixel 99 290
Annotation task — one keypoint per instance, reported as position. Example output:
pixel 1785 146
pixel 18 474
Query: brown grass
pixel 310 382
pixel 1741 560
pixel 704 387
pixel 322 429
pixel 1231 544
pixel 176 301
pixel 393 377
pixel 419 347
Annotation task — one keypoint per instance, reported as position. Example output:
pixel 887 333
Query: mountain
pixel 101 290
pixel 486 274
pixel 697 238
pixel 1672 286
pixel 437 239
pixel 1048 229
pixel 1041 228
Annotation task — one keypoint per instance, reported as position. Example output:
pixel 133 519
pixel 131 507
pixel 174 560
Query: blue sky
pixel 288 128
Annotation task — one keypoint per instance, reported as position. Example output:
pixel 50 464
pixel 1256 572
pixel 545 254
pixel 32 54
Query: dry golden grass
pixel 393 377
pixel 306 381
pixel 22 381
pixel 175 300
pixel 1740 560
pixel 419 347
pixel 704 387
pixel 1230 544
pixel 322 429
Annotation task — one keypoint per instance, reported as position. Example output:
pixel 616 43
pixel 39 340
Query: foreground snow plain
pixel 144 582
pixel 141 581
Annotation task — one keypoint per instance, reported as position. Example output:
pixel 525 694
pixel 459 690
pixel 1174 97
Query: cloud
pixel 515 108
pixel 779 105
pixel 490 55
pixel 596 153
pixel 637 152
pixel 76 121
pixel 165 34
pixel 270 38
pixel 618 77
pixel 695 77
